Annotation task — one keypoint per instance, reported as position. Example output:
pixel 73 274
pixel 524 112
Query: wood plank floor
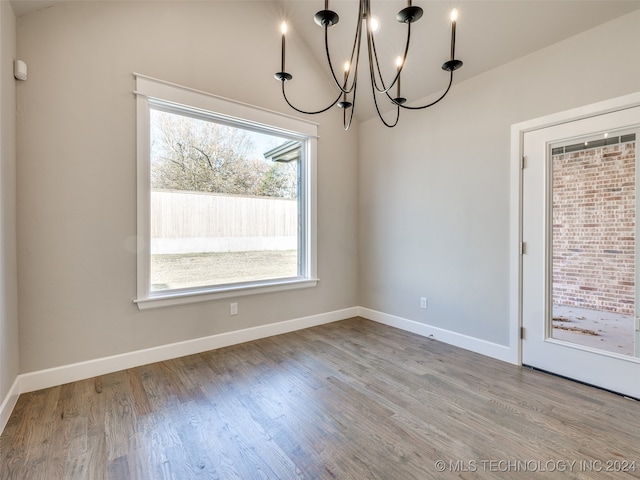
pixel 349 400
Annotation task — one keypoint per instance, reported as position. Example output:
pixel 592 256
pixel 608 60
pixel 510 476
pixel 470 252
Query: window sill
pixel 183 297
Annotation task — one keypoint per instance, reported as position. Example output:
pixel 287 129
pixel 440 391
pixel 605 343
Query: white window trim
pixel 150 89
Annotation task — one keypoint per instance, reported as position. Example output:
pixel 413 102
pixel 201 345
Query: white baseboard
pixel 51 377
pixel 494 350
pixel 9 403
pixel 80 371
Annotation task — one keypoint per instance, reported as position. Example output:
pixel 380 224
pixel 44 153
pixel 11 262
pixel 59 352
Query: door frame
pixel 518 163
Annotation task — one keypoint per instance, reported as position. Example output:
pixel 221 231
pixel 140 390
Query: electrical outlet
pixel 423 303
pixel 233 308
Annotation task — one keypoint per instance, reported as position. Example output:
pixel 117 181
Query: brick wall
pixel 594 228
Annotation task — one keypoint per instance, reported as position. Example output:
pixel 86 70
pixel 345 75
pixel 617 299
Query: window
pixel 225 197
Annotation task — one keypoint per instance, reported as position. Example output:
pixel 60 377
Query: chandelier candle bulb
pixel 398 100
pixel 283 29
pixel 399 65
pixel 374 25
pixel 346 76
pixel 344 103
pixel 454 17
pixel 282 75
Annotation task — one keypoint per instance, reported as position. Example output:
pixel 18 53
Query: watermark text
pixel 535 466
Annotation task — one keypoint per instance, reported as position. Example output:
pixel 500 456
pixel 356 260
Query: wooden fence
pixel 185 222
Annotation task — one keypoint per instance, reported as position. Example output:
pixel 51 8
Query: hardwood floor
pixel 348 400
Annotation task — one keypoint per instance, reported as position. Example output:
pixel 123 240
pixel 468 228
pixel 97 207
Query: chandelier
pixel 347 85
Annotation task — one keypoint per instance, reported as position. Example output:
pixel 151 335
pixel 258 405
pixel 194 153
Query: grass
pixel 203 269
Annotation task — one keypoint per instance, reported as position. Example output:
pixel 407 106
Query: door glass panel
pixel 593 241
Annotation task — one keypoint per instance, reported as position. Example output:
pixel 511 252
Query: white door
pixel 578 191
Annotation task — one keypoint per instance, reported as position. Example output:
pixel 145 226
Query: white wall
pixel 8 277
pixel 76 175
pixel 434 193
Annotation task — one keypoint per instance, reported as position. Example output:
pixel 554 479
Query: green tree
pixel 280 180
pixel 197 155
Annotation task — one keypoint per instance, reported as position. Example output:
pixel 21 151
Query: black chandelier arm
pixel 373 55
pixel 375 102
pixel 344 88
pixel 354 52
pixel 353 109
pixel 304 111
pixel 422 107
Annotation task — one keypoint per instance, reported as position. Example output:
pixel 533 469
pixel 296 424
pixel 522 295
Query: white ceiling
pixel 21 7
pixel 489 33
